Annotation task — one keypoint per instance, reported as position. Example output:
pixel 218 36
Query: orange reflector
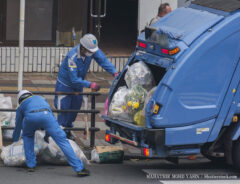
pixel 192 157
pixel 235 119
pixel 146 152
pixel 174 51
pixel 156 109
pixel 107 137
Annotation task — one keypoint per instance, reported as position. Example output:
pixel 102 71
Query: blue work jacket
pixel 74 68
pixel 30 104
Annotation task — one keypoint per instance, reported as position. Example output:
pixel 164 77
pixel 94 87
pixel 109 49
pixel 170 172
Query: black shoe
pixel 31 169
pixel 83 173
pixel 70 136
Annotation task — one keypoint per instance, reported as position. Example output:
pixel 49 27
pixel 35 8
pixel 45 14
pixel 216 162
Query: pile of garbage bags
pixel 13 155
pixel 128 103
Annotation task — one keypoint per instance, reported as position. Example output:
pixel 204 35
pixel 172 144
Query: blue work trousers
pixel 67 102
pixel 38 120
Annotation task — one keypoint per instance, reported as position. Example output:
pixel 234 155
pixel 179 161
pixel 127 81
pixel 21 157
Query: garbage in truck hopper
pixel 128 102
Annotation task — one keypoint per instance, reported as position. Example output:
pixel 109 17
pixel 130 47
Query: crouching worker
pixel 34 113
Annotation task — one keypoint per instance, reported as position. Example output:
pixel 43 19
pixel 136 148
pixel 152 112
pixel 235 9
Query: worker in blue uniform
pixel 34 113
pixel 71 77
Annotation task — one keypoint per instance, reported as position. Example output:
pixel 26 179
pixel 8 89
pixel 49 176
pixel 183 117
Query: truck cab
pixel 193 54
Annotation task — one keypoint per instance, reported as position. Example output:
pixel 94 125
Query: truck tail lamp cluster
pixel 147 152
pixel 170 52
pixel 107 138
pixel 142 45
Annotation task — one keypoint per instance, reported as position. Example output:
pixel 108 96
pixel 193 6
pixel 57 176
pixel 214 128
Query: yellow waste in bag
pixel 136 105
pixel 139 118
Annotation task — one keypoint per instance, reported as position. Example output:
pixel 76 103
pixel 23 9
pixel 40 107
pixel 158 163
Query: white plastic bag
pixel 7 134
pixel 139 73
pixel 52 154
pixel 13 155
pixel 95 156
pixel 5 117
pixel 118 108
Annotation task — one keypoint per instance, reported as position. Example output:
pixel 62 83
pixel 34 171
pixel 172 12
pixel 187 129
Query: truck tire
pixel 236 154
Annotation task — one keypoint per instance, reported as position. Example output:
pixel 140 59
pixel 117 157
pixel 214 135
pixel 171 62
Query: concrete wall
pixel 147 9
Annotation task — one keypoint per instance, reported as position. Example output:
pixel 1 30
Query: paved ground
pixel 131 171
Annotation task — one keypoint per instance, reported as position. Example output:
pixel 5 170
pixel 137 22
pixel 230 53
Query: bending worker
pixel 71 77
pixel 34 113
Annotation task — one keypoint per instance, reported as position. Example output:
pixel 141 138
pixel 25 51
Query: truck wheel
pixel 236 154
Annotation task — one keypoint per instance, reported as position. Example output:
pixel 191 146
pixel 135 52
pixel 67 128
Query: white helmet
pixel 23 94
pixel 89 42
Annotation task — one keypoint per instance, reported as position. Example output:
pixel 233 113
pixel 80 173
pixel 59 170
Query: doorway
pixel 119 28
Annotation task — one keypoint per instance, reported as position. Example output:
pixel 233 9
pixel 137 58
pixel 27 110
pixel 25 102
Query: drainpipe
pixel 21 44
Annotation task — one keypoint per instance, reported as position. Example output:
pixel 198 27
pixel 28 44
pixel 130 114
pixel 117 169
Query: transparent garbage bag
pixel 135 99
pixel 118 108
pixel 139 117
pixel 149 96
pixel 5 117
pixel 139 73
pixel 95 156
pixel 13 155
pixel 52 154
pixel 7 134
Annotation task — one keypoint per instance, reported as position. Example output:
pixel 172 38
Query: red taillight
pixel 170 52
pixel 107 137
pixel 165 51
pixel 146 152
pixel 141 44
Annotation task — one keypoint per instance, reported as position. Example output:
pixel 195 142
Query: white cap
pixel 89 41
pixel 22 92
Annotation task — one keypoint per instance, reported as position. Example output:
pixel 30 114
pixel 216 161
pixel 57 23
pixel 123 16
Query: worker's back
pixel 34 103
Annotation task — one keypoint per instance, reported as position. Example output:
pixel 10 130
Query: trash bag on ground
pixel 7 134
pixel 52 154
pixel 107 154
pixel 5 117
pixel 118 107
pixel 139 74
pixel 13 155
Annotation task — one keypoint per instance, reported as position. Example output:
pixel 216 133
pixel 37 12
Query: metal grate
pixel 43 59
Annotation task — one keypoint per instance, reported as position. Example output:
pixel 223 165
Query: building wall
pixel 147 9
pixel 72 14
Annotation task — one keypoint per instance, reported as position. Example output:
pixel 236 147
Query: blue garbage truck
pixel 194 56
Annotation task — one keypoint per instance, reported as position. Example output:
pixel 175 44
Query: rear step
pixel 128 141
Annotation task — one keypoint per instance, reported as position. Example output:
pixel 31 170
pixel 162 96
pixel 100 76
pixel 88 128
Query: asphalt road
pixel 131 171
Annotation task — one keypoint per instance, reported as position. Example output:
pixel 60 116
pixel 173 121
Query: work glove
pixel 116 74
pixel 94 86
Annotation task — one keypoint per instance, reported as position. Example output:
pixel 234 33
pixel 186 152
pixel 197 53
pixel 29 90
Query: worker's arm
pixel 76 82
pixel 102 60
pixel 18 125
